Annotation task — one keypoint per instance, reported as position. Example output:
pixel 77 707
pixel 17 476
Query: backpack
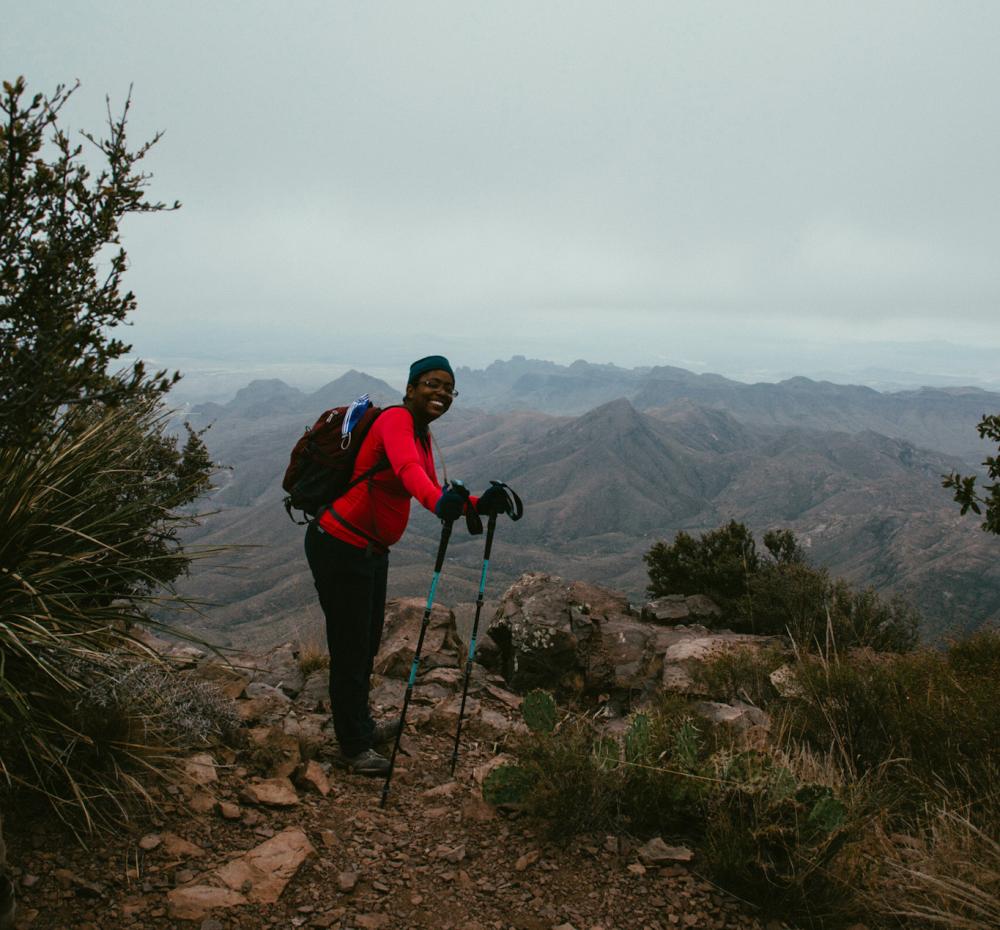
pixel 322 461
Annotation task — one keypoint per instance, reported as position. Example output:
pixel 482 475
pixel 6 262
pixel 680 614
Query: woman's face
pixel 430 396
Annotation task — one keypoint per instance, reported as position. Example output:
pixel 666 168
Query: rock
pixel 442 646
pixel 573 637
pixel 312 777
pixel 263 702
pixel 347 882
pixel 528 859
pixel 372 921
pixel 280 668
pixel 656 852
pixel 150 841
pixel 176 847
pixel 667 609
pixel 269 867
pixel 444 715
pixel 200 769
pixel 739 715
pixel 201 801
pixel 270 792
pixel 192 902
pixel 228 810
pixel 476 809
pixel 227 679
pixel 785 683
pixel 701 605
pixel 315 693
pixel 278 749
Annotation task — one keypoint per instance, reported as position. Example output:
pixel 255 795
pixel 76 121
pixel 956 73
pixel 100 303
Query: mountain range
pixel 610 460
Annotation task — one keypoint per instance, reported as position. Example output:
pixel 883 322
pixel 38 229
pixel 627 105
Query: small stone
pixel 192 901
pixel 200 769
pixel 347 882
pixel 150 841
pixel 228 810
pixel 271 792
pixel 328 838
pixel 637 868
pixel 529 858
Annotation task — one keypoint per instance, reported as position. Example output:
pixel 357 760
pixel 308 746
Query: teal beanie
pixel 430 363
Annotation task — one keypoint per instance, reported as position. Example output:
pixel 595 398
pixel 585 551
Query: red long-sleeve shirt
pixel 380 505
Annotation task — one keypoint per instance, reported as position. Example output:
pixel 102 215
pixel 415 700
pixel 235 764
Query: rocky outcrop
pixel 584 640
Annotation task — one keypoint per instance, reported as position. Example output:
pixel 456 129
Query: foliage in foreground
pixel 62 265
pixel 89 521
pixel 878 791
pixel 987 502
pixel 780 592
pixel 92 485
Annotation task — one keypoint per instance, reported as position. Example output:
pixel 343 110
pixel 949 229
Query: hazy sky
pixel 747 187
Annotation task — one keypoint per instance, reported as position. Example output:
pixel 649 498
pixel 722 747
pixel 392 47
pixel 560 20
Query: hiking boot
pixel 385 730
pixel 368 762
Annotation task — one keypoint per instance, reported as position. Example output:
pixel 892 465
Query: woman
pixel 348 548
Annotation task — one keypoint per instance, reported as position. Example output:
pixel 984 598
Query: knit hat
pixel 430 363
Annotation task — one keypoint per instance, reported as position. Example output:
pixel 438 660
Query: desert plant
pixel 930 715
pixel 739 673
pixel 719 563
pixel 78 570
pixel 946 873
pixel 61 292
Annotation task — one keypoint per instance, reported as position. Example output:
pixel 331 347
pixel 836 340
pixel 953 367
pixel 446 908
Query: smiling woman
pixel 348 549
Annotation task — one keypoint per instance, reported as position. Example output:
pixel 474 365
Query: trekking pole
pixel 515 510
pixel 438 564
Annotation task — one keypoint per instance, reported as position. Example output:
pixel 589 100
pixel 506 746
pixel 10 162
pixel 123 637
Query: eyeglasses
pixel 435 385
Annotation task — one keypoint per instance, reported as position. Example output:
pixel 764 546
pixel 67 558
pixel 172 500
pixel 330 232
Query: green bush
pixel 932 716
pixel 780 593
pixel 79 567
pixel 718 563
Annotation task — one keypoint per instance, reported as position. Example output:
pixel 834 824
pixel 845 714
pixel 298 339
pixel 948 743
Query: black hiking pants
pixel 351 583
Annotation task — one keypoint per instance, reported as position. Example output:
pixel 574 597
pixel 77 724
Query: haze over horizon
pixel 760 191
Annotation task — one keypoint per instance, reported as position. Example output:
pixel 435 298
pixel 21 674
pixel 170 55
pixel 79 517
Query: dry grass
pixel 313 655
pixel 946 875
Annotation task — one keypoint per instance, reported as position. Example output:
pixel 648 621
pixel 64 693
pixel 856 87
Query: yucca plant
pixel 88 537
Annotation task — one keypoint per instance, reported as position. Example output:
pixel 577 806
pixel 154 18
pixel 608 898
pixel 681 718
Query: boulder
pixel 580 639
pixel 442 646
pixel 575 637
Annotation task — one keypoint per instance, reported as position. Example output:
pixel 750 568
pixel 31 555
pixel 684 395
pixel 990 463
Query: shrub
pixel 739 673
pixel 778 594
pixel 718 564
pixel 930 715
pixel 78 570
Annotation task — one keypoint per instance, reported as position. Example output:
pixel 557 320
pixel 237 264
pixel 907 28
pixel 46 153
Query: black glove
pixel 497 499
pixel 451 503
pixel 493 500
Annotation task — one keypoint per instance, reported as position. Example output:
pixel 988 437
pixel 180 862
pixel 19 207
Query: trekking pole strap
pixel 515 508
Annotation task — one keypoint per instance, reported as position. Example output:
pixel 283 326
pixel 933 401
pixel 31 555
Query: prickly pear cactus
pixel 539 711
pixel 637 738
pixel 507 785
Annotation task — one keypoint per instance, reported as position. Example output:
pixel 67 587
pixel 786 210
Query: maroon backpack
pixel 322 461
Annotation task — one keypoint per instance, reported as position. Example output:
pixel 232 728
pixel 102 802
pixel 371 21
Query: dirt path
pixel 437 857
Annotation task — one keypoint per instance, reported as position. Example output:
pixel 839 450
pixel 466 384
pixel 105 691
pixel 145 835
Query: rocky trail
pixel 272 834
pixel 436 857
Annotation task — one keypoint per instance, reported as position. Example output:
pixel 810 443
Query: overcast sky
pixel 754 188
